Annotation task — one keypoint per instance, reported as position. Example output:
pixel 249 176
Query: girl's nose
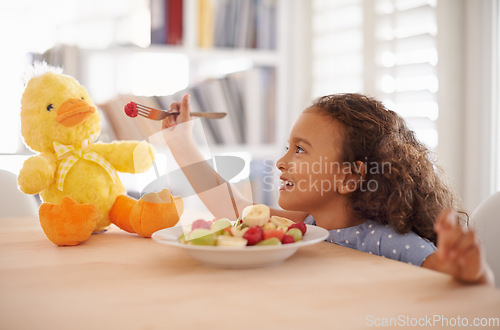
pixel 281 164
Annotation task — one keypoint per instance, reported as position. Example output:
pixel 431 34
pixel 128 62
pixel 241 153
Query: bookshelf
pixel 282 58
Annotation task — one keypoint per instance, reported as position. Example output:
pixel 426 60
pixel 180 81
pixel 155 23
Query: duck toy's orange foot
pixel 68 223
pixel 154 211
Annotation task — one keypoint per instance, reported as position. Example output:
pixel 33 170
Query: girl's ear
pixel 360 169
pixel 353 178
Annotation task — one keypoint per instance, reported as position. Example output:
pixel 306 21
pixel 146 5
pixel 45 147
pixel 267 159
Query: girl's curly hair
pixel 412 190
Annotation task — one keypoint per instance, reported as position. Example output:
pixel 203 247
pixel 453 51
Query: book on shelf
pixel 208 125
pixel 222 13
pixel 206 23
pixel 166 22
pixel 201 97
pixel 269 120
pixel 266 24
pixel 218 102
pixel 244 36
pixel 245 23
pixel 174 22
pixel 250 88
pixel 158 22
pixel 236 106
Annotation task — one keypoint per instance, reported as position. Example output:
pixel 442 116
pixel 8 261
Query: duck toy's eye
pixel 82 98
pixel 50 107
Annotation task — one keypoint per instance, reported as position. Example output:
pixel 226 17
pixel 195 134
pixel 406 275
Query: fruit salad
pixel 255 228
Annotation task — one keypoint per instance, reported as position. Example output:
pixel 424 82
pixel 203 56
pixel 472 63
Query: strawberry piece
pixel 287 239
pixel 269 233
pixel 300 225
pixel 200 223
pixel 253 235
pixel 131 109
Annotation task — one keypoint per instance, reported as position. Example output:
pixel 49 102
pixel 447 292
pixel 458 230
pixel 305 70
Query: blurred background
pixel 436 62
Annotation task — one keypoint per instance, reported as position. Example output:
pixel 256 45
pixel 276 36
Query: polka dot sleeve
pixel 409 248
pixel 309 220
pixel 382 240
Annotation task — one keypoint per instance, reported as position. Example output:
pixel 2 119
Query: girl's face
pixel 311 169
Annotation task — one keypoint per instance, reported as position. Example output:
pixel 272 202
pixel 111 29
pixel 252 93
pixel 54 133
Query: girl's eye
pixel 299 149
pixel 50 107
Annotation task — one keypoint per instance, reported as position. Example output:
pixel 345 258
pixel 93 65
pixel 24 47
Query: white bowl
pixel 234 257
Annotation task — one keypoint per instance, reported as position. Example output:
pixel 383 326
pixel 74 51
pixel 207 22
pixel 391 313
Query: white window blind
pixel 337 47
pixel 405 62
pixel 385 48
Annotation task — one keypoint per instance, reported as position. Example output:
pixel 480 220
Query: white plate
pixel 233 257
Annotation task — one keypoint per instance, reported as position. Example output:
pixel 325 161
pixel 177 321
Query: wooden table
pixel 118 280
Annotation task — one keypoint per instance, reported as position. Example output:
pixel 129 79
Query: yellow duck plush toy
pixel 77 178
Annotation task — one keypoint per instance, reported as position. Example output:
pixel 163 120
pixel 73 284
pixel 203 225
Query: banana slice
pixel 268 225
pixel 256 215
pixel 231 241
pixel 238 232
pixel 281 222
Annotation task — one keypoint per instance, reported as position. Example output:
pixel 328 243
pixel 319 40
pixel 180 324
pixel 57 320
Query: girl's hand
pixel 459 251
pixel 184 109
pixel 177 129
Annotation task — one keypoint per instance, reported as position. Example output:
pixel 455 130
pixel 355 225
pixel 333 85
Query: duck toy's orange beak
pixel 74 112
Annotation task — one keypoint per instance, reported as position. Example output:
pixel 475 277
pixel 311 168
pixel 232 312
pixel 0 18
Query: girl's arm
pixel 219 196
pixel 459 252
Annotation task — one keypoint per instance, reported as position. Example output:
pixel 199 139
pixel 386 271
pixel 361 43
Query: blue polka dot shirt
pixel 382 240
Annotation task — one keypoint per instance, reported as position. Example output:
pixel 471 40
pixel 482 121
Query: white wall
pixel 468 95
pixel 451 96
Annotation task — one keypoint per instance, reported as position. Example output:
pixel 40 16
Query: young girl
pixel 354 168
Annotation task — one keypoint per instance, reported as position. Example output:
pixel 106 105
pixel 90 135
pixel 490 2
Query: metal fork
pixel 155 114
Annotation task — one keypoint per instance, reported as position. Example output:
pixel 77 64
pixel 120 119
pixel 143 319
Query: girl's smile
pixel 286 184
